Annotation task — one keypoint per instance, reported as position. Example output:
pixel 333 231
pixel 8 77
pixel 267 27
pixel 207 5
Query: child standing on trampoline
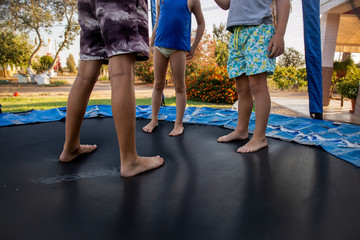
pixel 253 46
pixel 172 39
pixel 118 31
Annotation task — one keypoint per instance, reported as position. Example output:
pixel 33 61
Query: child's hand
pixel 190 55
pixel 276 46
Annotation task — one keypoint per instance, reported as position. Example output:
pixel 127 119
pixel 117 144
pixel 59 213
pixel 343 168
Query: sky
pixel 294 36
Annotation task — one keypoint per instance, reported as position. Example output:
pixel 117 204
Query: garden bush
pixel 211 84
pixel 206 81
pixel 144 71
pixel 289 77
pixel 43 63
pixel 348 86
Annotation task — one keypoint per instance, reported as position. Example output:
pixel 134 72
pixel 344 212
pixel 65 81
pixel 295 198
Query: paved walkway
pixel 333 112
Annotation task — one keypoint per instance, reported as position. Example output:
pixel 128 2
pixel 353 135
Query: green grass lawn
pixel 21 104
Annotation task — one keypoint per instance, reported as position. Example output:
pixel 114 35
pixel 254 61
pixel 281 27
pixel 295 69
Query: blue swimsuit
pixel 174 25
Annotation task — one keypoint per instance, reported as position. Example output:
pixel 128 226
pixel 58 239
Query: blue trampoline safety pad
pixel 339 139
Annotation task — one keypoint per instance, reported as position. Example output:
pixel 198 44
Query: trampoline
pixel 205 190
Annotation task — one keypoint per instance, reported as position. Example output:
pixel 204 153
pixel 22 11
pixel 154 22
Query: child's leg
pixel 122 74
pixel 245 105
pixel 259 89
pixel 178 64
pixel 78 98
pixel 160 67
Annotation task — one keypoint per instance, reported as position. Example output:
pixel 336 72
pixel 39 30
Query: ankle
pixel 154 121
pixel 178 124
pixel 259 138
pixel 241 131
pixel 129 163
pixel 130 159
pixel 71 148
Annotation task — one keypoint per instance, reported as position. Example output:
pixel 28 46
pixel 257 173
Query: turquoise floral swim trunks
pixel 248 50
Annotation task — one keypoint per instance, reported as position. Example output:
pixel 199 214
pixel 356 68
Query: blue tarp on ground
pixel 340 139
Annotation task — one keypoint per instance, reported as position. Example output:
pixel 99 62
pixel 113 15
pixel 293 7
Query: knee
pixel 240 89
pixel 180 89
pixel 121 73
pixel 257 88
pixel 85 79
pixel 159 86
pixel 243 89
pixel 253 86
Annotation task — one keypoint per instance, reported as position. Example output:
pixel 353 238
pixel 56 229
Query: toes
pixel 93 147
pixel 239 150
pixel 176 132
pixel 149 129
pixel 160 160
pixel 86 149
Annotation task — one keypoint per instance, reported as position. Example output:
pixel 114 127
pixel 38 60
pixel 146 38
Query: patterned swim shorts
pixel 248 50
pixel 110 28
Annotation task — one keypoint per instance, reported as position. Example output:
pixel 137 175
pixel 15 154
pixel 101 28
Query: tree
pixel 66 11
pixel 70 63
pixel 14 49
pixel 222 37
pixel 204 54
pixel 291 58
pixel 27 16
pixel 38 16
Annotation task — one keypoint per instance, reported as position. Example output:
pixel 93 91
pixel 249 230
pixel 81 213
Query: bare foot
pixel 233 136
pixel 140 165
pixel 68 156
pixel 149 128
pixel 252 146
pixel 177 131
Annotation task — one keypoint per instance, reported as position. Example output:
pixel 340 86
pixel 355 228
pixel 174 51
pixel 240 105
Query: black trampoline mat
pixel 205 190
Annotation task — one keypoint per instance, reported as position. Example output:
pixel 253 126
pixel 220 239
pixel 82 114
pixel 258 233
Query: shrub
pixel 341 67
pixel 211 84
pixel 70 63
pixel 42 64
pixel 348 86
pixel 289 77
pixel 144 71
pixel 103 78
pixel 58 83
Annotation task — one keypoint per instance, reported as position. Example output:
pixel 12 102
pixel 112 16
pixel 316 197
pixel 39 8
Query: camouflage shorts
pixel 110 28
